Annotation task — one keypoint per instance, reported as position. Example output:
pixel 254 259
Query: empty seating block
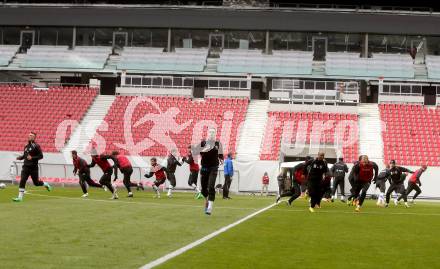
pixel 214 110
pixel 433 66
pixel 85 57
pixel 386 65
pixel 411 134
pixel 154 59
pixel 283 125
pixel 6 53
pixel 25 109
pixel 254 61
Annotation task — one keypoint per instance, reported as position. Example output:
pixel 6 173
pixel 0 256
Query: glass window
pixel 177 81
pixel 289 41
pixel 320 85
pixel 395 88
pixel 65 36
pixel 11 36
pixel 224 84
pixel 47 36
pixel 406 89
pixel 254 39
pixel 136 81
pixel 344 42
pixel 390 43
pixel 148 38
pixel 309 85
pixel 197 38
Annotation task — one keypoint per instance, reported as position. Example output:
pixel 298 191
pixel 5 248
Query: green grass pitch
pixel 61 230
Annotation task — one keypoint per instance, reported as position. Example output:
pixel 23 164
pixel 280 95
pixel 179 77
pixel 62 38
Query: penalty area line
pixel 202 240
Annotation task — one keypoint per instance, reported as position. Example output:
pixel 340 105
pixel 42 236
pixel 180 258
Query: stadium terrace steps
pixel 420 71
pixel 412 134
pixel 253 131
pixel 381 64
pixel 211 65
pixel 254 61
pixel 82 135
pixel 370 132
pixel 154 59
pixel 7 52
pixel 81 57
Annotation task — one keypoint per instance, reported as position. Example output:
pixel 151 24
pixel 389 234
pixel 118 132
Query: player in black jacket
pixel 352 183
pixel 211 152
pixel 172 164
pixel 316 174
pixel 338 171
pixel 381 180
pixel 397 181
pixel 31 155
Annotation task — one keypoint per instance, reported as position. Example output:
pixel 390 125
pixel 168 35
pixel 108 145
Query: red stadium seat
pixel 48 109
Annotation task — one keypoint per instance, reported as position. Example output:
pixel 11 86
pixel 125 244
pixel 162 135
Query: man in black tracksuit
pixel 211 152
pixel 298 175
pixel 83 170
pixel 338 171
pixel 317 170
pixel 351 181
pixel 415 184
pixel 31 155
pixel 364 172
pixel 397 181
pixel 381 180
pixel 172 164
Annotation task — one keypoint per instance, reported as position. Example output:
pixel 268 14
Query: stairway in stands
pixel 252 131
pixel 370 132
pixel 82 135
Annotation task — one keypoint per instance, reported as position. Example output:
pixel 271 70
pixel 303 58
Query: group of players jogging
pixel 313 178
pixel 209 150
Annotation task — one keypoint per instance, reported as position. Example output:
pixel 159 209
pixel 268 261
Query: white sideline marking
pixel 134 202
pixel 201 240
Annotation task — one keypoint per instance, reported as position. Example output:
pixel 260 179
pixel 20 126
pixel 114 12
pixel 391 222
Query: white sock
pixel 342 197
pixel 210 204
pixel 196 188
pixel 170 190
pixel 21 193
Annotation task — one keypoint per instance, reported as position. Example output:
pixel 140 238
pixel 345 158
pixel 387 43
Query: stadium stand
pixel 209 109
pixel 328 137
pixel 381 64
pixel 154 59
pixel 433 66
pixel 411 135
pixel 6 53
pixel 25 109
pixel 254 61
pixel 82 57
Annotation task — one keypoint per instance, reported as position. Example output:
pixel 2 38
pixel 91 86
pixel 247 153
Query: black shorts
pixel 193 176
pixel 380 183
pixel 159 182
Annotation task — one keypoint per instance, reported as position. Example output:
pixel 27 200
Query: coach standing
pixel 229 173
pixel 31 155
